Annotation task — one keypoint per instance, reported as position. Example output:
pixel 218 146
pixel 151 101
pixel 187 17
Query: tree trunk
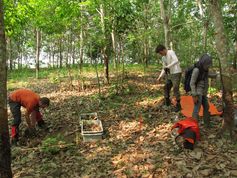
pixel 38 46
pixel 81 48
pixel 223 53
pixel 60 54
pixel 165 19
pixel 122 56
pixel 5 151
pixel 53 56
pixel 235 57
pixel 145 37
pixel 66 52
pixel 73 54
pixel 205 25
pixel 114 47
pixel 104 49
pixel 9 52
pixel 50 56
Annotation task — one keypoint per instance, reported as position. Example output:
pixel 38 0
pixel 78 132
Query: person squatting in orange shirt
pixel 32 102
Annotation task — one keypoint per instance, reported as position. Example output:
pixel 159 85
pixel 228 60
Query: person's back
pixel 26 98
pixel 199 79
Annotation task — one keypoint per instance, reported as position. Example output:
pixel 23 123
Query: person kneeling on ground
pixel 32 102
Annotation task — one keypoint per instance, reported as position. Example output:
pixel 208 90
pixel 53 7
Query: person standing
pixel 199 87
pixel 172 69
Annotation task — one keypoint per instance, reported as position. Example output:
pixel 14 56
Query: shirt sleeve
pixel 193 81
pixel 174 59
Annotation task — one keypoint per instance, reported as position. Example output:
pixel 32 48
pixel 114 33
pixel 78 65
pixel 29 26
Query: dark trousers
pixel 202 101
pixel 172 81
pixel 15 108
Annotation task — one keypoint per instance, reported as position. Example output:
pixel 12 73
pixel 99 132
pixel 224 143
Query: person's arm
pixel 33 118
pixel 161 74
pixel 28 119
pixel 193 84
pixel 174 59
pixel 193 81
pixel 162 71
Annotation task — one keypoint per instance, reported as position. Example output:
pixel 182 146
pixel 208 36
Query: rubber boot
pixel 206 119
pixel 167 102
pixel 178 106
pixel 14 135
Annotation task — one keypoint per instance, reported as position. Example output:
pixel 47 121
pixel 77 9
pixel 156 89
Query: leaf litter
pixel 137 141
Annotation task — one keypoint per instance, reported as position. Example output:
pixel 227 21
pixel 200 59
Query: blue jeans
pixel 202 100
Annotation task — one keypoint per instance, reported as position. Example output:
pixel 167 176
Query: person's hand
pixel 195 99
pixel 167 70
pixel 30 132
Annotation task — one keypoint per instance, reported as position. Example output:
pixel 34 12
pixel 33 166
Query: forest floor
pixel 137 140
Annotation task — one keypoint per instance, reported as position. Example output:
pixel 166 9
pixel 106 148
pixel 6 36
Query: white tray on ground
pixel 91 135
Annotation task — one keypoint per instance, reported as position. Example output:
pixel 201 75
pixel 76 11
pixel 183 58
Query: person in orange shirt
pixel 32 102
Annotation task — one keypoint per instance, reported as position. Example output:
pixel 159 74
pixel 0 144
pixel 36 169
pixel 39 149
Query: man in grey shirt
pixel 171 67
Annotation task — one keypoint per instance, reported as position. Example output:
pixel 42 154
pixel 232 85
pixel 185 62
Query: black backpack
pixel 187 78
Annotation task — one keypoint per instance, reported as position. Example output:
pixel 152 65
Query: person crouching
pixel 32 102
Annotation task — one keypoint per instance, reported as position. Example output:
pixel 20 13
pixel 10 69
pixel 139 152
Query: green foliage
pixel 116 91
pixel 51 145
pixel 212 90
pixel 135 24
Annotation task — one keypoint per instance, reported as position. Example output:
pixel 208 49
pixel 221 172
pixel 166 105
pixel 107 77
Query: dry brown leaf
pixel 233 172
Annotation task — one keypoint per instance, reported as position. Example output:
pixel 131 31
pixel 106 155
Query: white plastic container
pixel 91 135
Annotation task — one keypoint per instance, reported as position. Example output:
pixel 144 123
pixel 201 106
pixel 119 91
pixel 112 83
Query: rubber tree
pixel 165 15
pixel 5 151
pixel 224 55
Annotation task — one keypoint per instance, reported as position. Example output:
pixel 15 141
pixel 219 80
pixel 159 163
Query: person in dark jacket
pixel 199 88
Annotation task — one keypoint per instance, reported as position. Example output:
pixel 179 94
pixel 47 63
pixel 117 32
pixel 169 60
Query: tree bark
pixel 9 56
pixel 60 54
pixel 114 47
pixel 38 46
pixel 205 25
pixel 235 57
pixel 104 49
pixel 223 53
pixel 81 46
pixel 146 48
pixel 5 151
pixel 165 19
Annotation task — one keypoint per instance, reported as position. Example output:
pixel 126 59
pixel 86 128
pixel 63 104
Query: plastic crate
pixel 92 135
